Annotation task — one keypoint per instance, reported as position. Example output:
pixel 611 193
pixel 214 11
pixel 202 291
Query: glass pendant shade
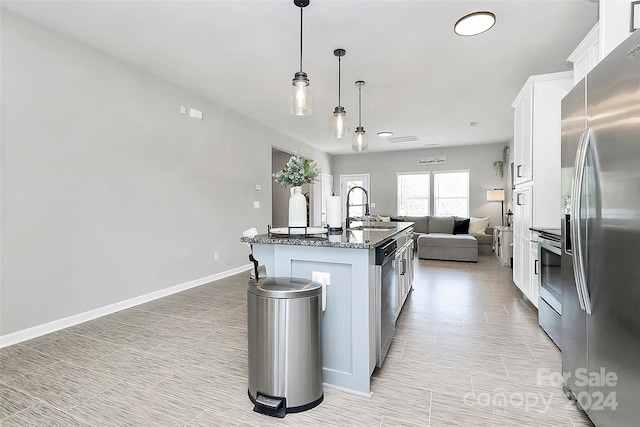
pixel 339 123
pixel 301 99
pixel 359 140
pixel 359 137
pixel 339 119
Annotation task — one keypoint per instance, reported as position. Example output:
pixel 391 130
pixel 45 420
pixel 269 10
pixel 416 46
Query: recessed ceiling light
pixel 385 134
pixel 474 23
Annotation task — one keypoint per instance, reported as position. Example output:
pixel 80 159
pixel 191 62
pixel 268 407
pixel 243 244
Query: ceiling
pixel 422 80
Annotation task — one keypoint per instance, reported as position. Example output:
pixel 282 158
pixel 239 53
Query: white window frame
pixel 435 196
pixel 398 190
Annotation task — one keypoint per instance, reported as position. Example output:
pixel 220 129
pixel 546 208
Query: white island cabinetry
pixel 348 261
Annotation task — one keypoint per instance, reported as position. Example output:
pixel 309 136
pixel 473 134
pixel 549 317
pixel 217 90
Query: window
pixel 451 193
pixel 413 194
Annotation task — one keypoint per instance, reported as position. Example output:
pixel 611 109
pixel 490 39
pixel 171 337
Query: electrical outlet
pixel 321 277
pixel 216 256
pixel 256 205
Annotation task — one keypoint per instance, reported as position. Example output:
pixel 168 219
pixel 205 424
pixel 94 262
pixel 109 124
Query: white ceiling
pixel 421 79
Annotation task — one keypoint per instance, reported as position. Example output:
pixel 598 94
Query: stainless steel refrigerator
pixel 601 239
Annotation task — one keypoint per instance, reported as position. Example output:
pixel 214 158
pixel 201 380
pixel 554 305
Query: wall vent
pixel 403 139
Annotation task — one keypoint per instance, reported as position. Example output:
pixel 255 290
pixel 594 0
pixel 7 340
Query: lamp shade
pixel 496 195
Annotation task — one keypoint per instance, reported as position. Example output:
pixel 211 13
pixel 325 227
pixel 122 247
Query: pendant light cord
pixel 301 39
pixel 360 105
pixel 339 67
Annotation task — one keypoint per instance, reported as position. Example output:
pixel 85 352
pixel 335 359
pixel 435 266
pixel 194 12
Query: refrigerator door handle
pixel 576 235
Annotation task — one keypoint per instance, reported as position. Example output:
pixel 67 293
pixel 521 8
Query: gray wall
pixel 108 192
pixel 383 167
pixel 280 195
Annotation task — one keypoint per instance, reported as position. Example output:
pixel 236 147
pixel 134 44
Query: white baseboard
pixel 348 390
pixel 56 325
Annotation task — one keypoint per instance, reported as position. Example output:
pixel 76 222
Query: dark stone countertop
pixel 361 235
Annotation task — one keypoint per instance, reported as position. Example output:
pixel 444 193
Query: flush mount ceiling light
pixel 359 137
pixel 301 100
pixel 339 120
pixel 385 134
pixel 474 23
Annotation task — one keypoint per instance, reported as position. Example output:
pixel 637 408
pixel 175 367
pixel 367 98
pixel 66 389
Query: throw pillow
pixel 461 226
pixel 383 218
pixel 477 225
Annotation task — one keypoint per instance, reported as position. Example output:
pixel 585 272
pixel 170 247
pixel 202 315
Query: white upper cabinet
pixel 586 55
pixel 612 29
pixel 615 24
pixel 536 133
pixel 522 137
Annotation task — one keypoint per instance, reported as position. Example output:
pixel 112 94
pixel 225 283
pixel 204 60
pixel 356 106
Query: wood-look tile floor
pixel 468 352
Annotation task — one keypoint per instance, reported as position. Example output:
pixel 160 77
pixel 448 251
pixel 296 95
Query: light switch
pixel 256 204
pixel 183 109
pixel 258 187
pixel 373 205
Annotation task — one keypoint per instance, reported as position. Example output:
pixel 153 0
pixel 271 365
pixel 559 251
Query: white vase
pixel 297 208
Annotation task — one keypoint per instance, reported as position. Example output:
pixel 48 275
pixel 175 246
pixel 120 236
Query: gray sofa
pixel 434 238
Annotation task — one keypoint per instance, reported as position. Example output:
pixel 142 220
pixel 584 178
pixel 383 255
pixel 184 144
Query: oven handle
pixel 576 235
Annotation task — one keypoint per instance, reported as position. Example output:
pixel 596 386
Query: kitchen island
pixel 346 262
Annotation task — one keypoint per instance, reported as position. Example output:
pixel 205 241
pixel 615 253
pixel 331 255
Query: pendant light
pixel 301 100
pixel 359 137
pixel 339 120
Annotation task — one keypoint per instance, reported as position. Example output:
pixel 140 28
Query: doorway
pixel 347 182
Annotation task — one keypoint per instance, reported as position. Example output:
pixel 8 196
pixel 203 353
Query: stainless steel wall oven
pixel 550 286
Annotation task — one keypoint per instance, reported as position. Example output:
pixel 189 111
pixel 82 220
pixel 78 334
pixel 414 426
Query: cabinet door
pixel 535 270
pixel 517 261
pixel 526 268
pixel 523 137
pixel 409 267
pixel 522 265
pixel 399 284
pixel 523 211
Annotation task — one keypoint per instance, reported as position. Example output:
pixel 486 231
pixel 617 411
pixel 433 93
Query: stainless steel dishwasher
pixel 385 299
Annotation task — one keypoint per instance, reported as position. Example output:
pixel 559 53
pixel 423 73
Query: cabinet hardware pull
pixel 519 171
pixel 535 267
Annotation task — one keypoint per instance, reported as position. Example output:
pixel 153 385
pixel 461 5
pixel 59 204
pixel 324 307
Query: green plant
pixel 300 169
pixel 498 165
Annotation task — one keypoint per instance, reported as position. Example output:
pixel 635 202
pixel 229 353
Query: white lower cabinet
pixel 404 270
pixel 521 265
pixel 534 267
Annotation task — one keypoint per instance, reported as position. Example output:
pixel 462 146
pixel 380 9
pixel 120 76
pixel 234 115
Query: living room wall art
pixel 440 160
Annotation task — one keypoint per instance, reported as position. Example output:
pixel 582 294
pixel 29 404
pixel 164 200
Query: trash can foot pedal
pixel 270 405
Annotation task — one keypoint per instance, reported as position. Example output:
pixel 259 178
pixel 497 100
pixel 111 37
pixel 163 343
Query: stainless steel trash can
pixel 285 345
